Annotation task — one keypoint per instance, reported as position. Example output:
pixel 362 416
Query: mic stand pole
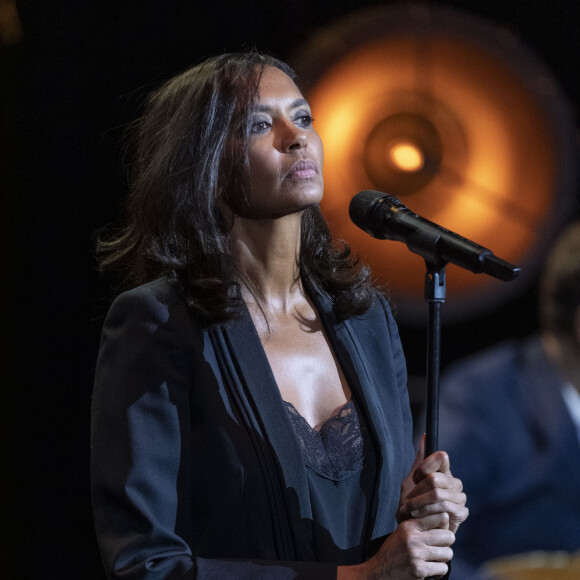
pixel 435 296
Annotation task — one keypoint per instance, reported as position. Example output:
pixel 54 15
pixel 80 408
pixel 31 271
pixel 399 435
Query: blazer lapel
pixel 354 363
pixel 254 388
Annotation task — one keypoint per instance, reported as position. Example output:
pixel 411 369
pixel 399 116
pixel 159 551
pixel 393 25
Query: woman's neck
pixel 266 252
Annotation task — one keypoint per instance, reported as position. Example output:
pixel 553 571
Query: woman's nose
pixel 295 138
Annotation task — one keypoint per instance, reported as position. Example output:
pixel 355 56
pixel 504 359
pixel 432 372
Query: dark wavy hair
pixel 189 160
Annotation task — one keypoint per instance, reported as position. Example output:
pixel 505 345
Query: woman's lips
pixel 303 169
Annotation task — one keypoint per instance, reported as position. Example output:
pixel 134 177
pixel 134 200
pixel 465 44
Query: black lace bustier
pixel 335 451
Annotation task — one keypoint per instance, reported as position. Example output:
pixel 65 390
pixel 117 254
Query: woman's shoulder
pixel 380 309
pixel 377 325
pixel 155 300
pixel 377 318
pixel 158 290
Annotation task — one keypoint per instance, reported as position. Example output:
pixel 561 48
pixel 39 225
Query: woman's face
pixel 284 152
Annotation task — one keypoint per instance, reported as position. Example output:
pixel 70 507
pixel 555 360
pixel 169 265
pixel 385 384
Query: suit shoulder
pixel 379 313
pixel 155 301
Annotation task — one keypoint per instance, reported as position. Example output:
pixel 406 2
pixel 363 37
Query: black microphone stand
pixel 426 244
pixel 435 296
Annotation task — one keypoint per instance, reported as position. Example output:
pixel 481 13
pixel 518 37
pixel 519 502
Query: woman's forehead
pixel 276 84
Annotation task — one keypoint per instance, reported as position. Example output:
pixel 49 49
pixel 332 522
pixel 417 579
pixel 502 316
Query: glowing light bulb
pixel 406 156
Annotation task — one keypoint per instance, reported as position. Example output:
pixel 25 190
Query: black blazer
pixel 195 470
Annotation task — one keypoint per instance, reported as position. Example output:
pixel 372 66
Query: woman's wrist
pixel 350 573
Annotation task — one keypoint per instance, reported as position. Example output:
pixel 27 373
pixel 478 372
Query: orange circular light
pixel 406 156
pixel 489 135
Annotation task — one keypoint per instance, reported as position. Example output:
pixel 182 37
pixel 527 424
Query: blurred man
pixel 510 420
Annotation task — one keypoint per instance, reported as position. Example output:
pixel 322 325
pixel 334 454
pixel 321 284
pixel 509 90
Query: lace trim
pixel 335 451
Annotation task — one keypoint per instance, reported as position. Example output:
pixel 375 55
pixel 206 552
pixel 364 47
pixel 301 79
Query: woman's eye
pixel 259 127
pixel 304 120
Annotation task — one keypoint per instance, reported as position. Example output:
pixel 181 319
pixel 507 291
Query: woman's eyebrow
pixel 266 109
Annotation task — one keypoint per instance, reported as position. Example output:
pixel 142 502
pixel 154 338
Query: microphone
pixel 384 217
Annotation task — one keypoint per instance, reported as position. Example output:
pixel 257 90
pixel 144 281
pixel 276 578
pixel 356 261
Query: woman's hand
pixel 418 548
pixel 431 508
pixel 430 488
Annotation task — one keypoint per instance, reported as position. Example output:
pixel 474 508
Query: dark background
pixel 67 89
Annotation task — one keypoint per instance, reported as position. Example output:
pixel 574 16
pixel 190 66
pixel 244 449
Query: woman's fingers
pixel 408 483
pixel 435 481
pixel 436 462
pixel 452 506
pixel 435 491
pixel 418 548
pixel 437 523
pixel 435 501
pixel 430 488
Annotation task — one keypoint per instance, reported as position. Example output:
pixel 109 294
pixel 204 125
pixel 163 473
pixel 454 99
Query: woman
pixel 250 414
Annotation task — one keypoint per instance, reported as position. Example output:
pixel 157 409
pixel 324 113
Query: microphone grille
pixel 360 206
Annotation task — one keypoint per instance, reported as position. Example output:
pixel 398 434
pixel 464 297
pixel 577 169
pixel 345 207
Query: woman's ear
pixel 226 213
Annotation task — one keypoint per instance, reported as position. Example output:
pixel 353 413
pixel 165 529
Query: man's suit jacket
pixel 194 461
pixel 512 442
